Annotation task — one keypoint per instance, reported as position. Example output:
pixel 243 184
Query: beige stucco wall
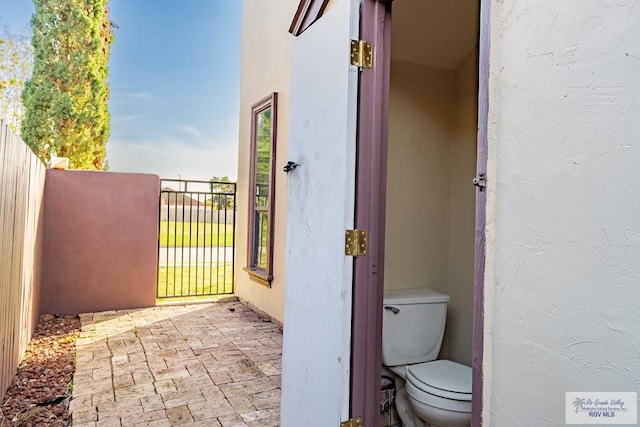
pixel 430 199
pixel 265 68
pixel 563 229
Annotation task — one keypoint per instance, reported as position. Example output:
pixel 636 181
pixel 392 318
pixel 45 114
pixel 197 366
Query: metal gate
pixel 196 238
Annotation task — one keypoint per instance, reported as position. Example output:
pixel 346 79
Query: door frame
pixel 477 402
pixel 371 190
pixel 371 175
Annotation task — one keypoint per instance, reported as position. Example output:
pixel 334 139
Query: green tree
pixel 16 63
pixel 66 97
pixel 263 156
pixel 222 192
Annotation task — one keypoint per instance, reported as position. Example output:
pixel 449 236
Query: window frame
pixel 308 12
pixel 264 277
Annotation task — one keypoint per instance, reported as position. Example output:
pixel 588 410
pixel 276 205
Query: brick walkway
pixel 196 365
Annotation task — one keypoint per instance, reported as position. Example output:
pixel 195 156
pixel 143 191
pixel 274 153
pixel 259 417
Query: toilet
pixel 429 392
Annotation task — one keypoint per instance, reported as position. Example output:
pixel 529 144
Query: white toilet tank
pixel 413 323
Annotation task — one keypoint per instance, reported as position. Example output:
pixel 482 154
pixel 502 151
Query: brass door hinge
pixel 361 54
pixel 355 242
pixel 352 422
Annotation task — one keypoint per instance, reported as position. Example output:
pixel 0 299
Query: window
pixel 309 11
pixel 261 190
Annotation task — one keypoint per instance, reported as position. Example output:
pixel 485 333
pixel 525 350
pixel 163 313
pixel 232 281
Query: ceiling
pixel 438 33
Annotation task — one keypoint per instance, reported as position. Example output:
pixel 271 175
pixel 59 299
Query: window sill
pixel 259 276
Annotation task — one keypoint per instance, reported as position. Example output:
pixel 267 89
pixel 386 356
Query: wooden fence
pixel 22 178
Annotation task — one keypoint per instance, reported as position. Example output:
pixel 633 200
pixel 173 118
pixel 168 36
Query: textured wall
pixel 265 68
pixel 563 233
pixel 320 206
pixel 100 241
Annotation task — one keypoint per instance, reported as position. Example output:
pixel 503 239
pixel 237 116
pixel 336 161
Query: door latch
pixel 290 166
pixel 394 310
pixel 480 181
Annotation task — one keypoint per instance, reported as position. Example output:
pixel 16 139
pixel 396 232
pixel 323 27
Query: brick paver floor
pixel 196 365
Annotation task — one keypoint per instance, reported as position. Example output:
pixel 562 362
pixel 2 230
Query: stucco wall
pixel 266 59
pixel 99 241
pixel 563 230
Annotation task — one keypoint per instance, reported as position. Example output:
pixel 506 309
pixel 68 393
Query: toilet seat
pixel 441 378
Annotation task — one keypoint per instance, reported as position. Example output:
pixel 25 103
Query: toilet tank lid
pixel 414 296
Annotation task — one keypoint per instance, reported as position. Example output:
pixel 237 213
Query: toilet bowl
pixel 434 393
pixel 440 393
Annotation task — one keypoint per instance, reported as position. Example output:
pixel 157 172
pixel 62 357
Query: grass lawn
pixel 174 233
pixel 189 280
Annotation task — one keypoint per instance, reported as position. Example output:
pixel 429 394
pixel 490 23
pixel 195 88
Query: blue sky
pixel 174 76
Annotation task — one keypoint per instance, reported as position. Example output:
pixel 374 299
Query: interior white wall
pixel 434 32
pixel 563 230
pixel 417 214
pixel 459 329
pixel 430 200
